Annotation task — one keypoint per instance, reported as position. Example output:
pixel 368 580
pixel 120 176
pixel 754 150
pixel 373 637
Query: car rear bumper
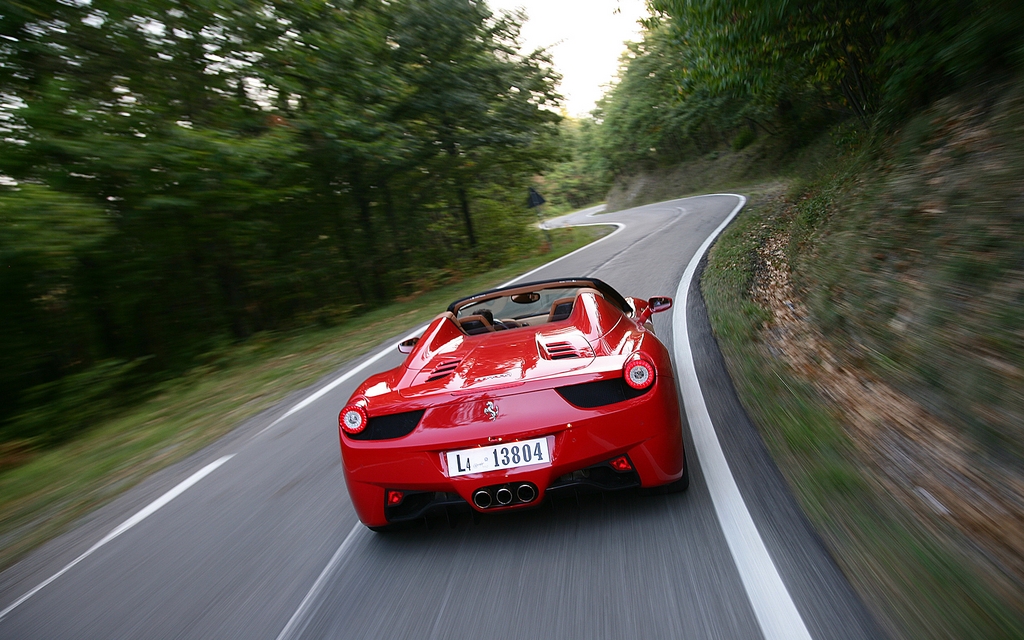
pixel 597 478
pixel 646 429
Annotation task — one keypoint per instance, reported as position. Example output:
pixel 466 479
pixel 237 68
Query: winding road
pixel 255 537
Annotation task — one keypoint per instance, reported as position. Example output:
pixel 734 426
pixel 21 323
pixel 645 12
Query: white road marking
pixel 319 393
pixel 124 526
pixel 298 620
pixel 593 211
pixel 773 606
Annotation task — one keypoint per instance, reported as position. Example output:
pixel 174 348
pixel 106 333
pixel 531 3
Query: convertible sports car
pixel 514 394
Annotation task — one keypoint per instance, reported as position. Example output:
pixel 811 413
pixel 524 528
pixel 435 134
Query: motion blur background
pixel 181 179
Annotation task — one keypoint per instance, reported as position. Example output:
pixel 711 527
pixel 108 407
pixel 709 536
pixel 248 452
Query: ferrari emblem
pixel 491 410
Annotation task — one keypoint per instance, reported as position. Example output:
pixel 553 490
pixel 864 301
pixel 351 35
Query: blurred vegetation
pixel 177 175
pixel 910 256
pixel 915 264
pixel 919 584
pixel 708 74
pixel 582 177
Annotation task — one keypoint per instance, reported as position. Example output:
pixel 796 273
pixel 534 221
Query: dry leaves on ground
pixel 919 460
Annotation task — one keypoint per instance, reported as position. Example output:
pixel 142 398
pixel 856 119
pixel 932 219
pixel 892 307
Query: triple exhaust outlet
pixel 503 495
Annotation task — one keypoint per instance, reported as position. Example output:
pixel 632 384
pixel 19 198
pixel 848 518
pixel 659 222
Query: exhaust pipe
pixel 526 493
pixel 503 496
pixel 481 498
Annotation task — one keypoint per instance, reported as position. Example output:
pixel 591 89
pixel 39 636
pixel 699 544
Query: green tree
pixel 481 110
pixel 584 176
pixel 249 165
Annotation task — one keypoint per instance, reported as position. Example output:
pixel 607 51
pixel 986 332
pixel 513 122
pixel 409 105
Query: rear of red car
pixel 502 420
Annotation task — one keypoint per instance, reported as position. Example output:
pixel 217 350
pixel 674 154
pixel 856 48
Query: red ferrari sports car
pixel 512 395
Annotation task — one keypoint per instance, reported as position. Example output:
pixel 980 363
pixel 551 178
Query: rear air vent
pixel 394 425
pixel 444 368
pixel 560 350
pixel 564 349
pixel 598 394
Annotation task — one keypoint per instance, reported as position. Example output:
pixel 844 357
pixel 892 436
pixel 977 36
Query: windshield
pixel 520 307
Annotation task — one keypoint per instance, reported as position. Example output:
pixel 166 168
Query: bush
pixel 743 138
pixel 62 409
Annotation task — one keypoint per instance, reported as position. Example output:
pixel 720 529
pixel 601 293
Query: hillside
pixel 870 303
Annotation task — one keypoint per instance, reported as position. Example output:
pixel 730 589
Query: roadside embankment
pixel 871 313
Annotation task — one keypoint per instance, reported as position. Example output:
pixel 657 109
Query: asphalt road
pixel 265 544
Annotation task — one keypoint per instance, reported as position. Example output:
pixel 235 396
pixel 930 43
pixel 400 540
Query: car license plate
pixel 496 457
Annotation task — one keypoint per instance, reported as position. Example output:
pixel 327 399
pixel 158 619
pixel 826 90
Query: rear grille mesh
pixel 394 425
pixel 443 369
pixel 598 394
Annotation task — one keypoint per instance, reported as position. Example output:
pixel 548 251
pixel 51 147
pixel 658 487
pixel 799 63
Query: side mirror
pixel 406 346
pixel 657 304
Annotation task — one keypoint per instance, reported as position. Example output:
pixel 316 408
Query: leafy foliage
pixel 583 174
pixel 175 174
pixel 706 69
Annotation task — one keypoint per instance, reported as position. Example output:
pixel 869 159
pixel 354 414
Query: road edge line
pixel 771 601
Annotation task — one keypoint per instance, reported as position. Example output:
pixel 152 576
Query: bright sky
pixel 585 38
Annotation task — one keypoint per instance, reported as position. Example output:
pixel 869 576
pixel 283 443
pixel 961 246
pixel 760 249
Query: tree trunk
pixel 372 263
pixel 397 236
pixel 464 203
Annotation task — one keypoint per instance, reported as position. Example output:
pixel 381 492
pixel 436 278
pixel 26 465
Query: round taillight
pixel 352 419
pixel 639 373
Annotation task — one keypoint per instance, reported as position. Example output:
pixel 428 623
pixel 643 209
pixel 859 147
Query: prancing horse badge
pixel 491 410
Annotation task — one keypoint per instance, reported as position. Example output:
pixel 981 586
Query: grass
pixel 44 496
pixel 917 585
